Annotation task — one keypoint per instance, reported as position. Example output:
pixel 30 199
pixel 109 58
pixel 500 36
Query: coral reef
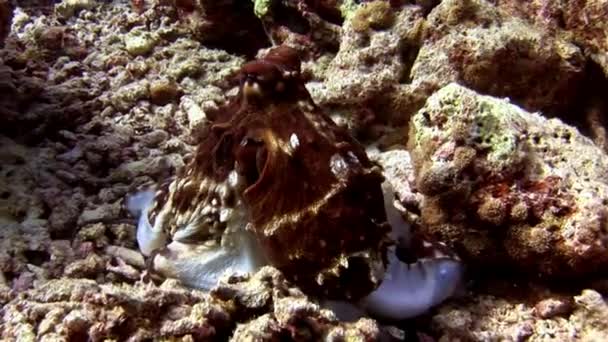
pixel 98 99
pixel 502 184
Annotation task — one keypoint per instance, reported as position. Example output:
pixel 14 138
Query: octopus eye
pixel 251 88
pixel 251 159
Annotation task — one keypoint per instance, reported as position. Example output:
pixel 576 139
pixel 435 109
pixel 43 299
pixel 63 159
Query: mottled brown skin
pixel 310 219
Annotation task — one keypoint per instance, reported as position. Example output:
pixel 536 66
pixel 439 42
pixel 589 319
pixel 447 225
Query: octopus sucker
pixel 275 181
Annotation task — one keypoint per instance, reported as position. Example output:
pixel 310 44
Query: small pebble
pixel 552 307
pixel 163 92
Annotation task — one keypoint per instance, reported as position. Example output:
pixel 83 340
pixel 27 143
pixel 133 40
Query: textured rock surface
pixel 291 314
pixel 473 43
pixel 368 62
pixel 83 309
pixel 374 58
pixel 581 21
pixel 488 318
pixel 502 184
pixel 84 122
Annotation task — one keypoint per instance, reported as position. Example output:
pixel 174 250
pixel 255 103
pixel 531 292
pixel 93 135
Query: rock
pixel 505 185
pixel 102 213
pixel 488 318
pixel 473 43
pixel 139 41
pixel 377 15
pixel 197 119
pixel 127 96
pixel 369 63
pixel 288 306
pixel 159 166
pixel 64 216
pixel 190 59
pixel 89 267
pixel 146 311
pixel 81 307
pixel 552 307
pixel 163 91
pixel 154 138
pixel 67 8
pixel 580 21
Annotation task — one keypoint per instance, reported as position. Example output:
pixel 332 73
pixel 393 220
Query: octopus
pixel 274 181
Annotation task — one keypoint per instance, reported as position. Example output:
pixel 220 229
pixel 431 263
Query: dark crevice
pixel 36 257
pixel 63 234
pixel 290 18
pixel 326 10
pixel 589 110
pixel 234 28
pixel 409 53
pixel 426 5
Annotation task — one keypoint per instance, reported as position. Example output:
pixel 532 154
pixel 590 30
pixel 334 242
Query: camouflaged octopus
pixel 276 181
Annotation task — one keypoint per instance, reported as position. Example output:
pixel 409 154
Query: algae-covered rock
pixel 505 185
pixel 139 41
pixel 377 15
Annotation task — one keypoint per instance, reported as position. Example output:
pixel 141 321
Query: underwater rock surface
pixel 98 99
pixel 489 318
pixel 73 308
pixel 503 184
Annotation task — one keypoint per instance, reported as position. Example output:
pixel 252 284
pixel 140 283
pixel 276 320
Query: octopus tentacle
pixel 411 289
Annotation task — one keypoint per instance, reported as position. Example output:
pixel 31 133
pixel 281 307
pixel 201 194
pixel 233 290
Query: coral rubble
pixel 488 318
pixel 79 308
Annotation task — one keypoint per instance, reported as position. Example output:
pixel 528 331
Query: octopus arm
pixel 409 290
pixel 149 238
pixel 202 267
